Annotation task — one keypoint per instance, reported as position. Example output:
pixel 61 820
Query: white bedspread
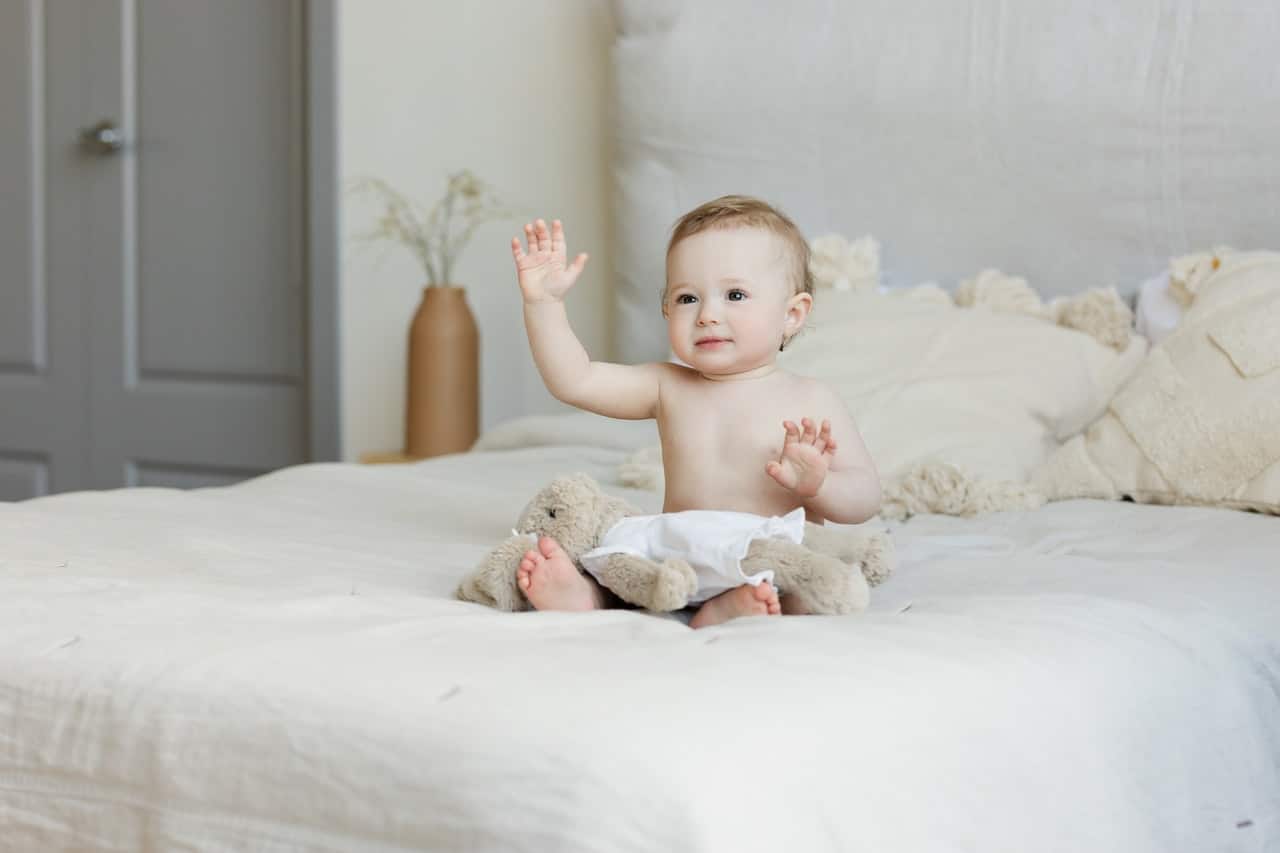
pixel 278 666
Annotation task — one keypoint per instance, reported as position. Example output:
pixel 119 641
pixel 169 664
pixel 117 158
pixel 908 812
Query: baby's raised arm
pixel 613 390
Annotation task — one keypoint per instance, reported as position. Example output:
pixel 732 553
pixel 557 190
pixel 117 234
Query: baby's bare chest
pixel 728 434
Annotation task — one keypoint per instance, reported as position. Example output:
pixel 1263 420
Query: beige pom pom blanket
pixel 1199 423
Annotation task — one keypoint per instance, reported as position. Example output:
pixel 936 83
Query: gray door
pixel 152 275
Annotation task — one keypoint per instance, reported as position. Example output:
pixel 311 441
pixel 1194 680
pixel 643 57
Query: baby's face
pixel 729 300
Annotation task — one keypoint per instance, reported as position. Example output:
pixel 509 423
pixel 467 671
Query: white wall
pixel 514 91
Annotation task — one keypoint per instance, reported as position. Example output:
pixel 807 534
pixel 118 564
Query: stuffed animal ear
pixel 493 581
pixel 565 490
pixel 580 490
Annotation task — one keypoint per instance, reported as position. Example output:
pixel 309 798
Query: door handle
pixel 103 138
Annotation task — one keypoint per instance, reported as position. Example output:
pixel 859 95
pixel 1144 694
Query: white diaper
pixel 712 542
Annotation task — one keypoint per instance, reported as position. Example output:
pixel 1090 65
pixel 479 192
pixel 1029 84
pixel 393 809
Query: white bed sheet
pixel 278 665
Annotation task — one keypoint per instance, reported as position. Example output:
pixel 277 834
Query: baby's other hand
pixel 543 274
pixel 805 459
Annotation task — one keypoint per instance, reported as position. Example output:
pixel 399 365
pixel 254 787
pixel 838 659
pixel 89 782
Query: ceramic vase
pixel 442 404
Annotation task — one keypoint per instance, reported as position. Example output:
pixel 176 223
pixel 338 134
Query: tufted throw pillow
pixel 1200 421
pixel 992 392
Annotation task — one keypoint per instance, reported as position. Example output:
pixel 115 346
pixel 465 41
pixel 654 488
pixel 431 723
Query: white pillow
pixel 1200 422
pixel 926 381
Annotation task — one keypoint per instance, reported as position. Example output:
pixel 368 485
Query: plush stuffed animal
pixel 576 512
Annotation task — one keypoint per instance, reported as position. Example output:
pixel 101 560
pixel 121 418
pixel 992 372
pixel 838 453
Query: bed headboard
pixel 1076 144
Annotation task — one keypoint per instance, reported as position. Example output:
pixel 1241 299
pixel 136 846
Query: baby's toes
pixel 524 573
pixel 549 548
pixel 767 599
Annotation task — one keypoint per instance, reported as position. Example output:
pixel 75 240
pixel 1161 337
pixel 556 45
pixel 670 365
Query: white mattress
pixel 278 666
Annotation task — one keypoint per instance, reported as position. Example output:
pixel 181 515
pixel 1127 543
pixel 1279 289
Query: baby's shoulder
pixel 808 388
pixel 671 373
pixel 817 397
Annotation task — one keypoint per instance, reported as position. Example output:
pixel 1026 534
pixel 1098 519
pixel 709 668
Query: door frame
pixel 324 380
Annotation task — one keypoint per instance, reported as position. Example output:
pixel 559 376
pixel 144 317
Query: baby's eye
pixel 686 299
pixel 737 295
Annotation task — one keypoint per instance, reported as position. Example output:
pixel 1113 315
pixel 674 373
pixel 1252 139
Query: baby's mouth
pixel 711 342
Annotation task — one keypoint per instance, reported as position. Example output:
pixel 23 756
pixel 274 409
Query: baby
pixel 738 433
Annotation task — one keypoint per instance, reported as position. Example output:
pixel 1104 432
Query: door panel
pixel 160 475
pixel 23 478
pixel 152 298
pixel 197 248
pixel 43 380
pixel 22 323
pixel 219 183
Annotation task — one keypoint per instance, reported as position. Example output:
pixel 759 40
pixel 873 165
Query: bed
pixel 281 664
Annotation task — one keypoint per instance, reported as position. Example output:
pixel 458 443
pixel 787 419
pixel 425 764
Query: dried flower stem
pixel 429 234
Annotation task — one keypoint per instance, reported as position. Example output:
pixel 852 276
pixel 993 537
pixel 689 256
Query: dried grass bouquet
pixel 437 236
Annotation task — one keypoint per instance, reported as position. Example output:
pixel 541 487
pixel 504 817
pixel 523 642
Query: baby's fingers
pixel 824 437
pixel 810 434
pixel 792 434
pixel 575 268
pixel 783 475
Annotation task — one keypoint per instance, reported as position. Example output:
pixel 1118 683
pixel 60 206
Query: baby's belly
pixel 693 486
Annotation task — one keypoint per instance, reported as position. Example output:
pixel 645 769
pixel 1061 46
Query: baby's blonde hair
pixel 730 211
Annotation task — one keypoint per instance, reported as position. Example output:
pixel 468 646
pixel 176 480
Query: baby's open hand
pixel 543 275
pixel 806 456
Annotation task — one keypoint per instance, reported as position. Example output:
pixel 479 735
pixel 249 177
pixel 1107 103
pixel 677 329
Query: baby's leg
pixel 550 580
pixel 746 600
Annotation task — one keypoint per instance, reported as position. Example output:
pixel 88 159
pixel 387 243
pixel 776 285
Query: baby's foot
pixel 746 600
pixel 551 581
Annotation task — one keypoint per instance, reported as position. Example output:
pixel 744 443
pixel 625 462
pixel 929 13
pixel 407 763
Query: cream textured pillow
pixel 992 392
pixel 1200 422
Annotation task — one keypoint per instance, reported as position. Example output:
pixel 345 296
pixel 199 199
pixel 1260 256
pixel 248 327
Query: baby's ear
pixel 798 308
